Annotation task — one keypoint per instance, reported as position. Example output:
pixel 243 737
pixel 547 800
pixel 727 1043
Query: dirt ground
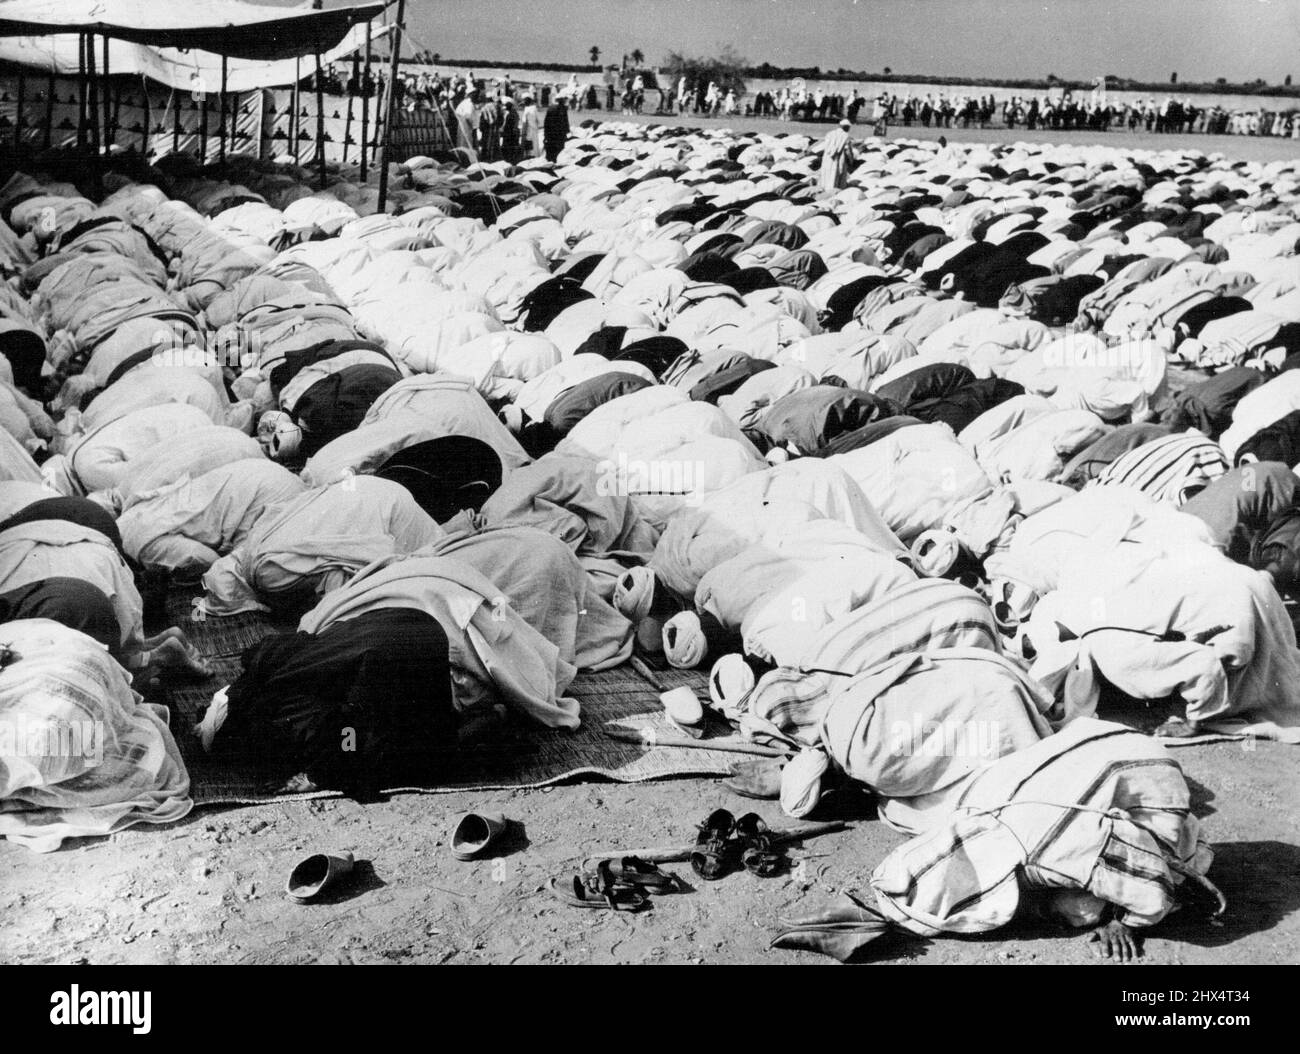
pixel 209 889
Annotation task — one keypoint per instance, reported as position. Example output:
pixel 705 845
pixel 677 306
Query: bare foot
pixel 170 633
pixel 1178 728
pixel 176 653
pixel 1116 942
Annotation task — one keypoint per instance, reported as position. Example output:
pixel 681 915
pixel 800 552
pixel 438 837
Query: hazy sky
pixel 1200 39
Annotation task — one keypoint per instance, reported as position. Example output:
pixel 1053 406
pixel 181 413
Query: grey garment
pixel 1243 503
pixel 1089 463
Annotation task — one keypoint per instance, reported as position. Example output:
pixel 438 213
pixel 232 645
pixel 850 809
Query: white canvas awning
pixel 186 70
pixel 223 27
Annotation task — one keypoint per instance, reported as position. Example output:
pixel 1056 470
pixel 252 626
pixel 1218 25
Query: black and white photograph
pixel 650 482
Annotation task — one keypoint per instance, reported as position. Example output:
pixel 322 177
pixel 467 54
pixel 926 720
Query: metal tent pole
pixel 365 106
pixel 83 102
pixel 106 93
pixel 92 93
pixel 388 108
pixel 176 121
pixel 224 80
pixel 293 113
pixel 320 120
pixel 203 130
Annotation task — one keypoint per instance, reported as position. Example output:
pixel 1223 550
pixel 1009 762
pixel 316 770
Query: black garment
pixel 335 404
pixel 360 705
pixel 798 268
pixel 868 434
pixel 70 601
pixel 605 342
pixel 578 266
pixel 813 417
pixel 654 353
pixel 80 511
pixel 958 262
pixel 1241 504
pixel 748 279
pixel 447 474
pixel 1195 318
pixel 1208 406
pixel 692 212
pixel 544 302
pixel 774 232
pixel 921 386
pixel 1277 551
pixel 1055 301
pixel 1024 243
pixel 721 243
pixel 959 408
pixel 707 267
pixel 914 256
pixel 727 380
pixel 1279 441
pixel 555 129
pixel 570 407
pixel 25 350
pixel 986 279
pixel 844 301
pixel 901 238
pixel 1286 338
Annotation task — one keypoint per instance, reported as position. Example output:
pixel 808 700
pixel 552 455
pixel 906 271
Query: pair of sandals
pixel 723 841
pixel 616 885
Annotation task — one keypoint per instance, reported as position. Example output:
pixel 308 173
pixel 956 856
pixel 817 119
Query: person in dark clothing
pixel 362 704
pixel 1279 441
pixel 70 601
pixel 555 129
pixel 810 419
pixel 80 511
pixel 1252 513
pixel 1208 406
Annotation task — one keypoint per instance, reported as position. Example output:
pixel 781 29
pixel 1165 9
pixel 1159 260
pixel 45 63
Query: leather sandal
pixel 757 854
pixel 631 872
pixel 713 849
pixel 598 891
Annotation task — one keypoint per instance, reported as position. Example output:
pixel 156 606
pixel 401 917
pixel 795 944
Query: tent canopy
pixel 225 27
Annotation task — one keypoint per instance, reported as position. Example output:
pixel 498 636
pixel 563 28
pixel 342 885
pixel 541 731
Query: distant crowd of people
pixel 627 93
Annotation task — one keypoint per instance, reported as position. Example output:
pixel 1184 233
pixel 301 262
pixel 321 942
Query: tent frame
pixel 96 91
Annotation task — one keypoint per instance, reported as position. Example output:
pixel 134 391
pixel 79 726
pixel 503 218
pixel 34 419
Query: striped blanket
pixel 1095 808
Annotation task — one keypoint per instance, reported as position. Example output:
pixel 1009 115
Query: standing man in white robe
pixel 837 159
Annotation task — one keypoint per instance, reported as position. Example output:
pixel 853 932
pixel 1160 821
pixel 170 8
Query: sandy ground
pixel 1243 147
pixel 209 889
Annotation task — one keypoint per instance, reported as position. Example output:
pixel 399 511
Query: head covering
pixel 685 643
pixel 634 593
pixel 935 552
pixel 279 435
pixel 846 123
pixel 513 418
pixel 801 782
pixel 730 681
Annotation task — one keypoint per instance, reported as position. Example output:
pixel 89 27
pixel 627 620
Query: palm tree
pixel 637 57
pixel 595 55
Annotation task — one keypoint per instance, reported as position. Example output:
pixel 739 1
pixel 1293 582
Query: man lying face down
pixel 61 559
